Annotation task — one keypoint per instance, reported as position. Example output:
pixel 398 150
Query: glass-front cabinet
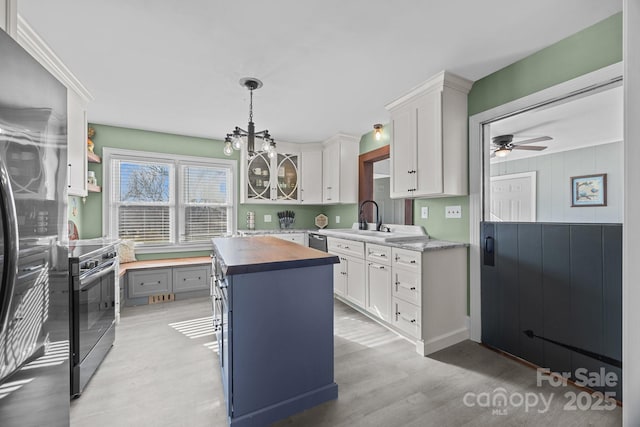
pixel 271 180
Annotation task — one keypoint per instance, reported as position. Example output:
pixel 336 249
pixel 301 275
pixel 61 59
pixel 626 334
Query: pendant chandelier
pixel 234 140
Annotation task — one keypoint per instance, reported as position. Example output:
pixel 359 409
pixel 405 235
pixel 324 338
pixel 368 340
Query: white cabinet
pixel 340 169
pixel 420 295
pixel 77 144
pixel 429 139
pixel 78 97
pixel 379 290
pixel 268 179
pixel 298 238
pixel 350 274
pixel 311 177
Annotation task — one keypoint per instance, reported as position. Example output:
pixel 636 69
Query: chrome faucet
pixel 362 222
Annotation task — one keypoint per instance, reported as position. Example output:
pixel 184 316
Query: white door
pixel 513 197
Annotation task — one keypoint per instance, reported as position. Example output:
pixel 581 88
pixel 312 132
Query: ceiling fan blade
pixel 529 147
pixel 529 141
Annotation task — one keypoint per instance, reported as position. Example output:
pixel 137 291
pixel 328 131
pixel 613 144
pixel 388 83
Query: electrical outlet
pixel 337 219
pixel 424 212
pixel 267 218
pixel 453 212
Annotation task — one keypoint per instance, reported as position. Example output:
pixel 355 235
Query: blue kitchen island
pixel 273 315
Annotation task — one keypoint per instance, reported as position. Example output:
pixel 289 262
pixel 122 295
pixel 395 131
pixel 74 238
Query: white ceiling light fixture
pixel 502 152
pixel 234 140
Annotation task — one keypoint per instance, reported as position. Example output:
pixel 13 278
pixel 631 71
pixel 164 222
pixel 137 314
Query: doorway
pixel 374 184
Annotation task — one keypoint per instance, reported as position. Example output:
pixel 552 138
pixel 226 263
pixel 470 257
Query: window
pixel 167 203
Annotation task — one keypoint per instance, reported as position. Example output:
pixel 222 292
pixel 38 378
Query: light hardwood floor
pixel 162 375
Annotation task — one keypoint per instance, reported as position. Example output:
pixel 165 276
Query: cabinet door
pixel 403 151
pixel 356 280
pixel 348 177
pixel 191 278
pixel 379 286
pixel 331 173
pixel 287 189
pixel 258 178
pixel 77 137
pixel 429 173
pixel 340 278
pixel 311 178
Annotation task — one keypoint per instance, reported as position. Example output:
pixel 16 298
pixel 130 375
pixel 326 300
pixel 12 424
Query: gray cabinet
pixel 191 278
pixel 149 282
pixel 182 281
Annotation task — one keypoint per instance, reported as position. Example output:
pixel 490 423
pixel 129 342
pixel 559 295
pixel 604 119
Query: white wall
pixel 553 182
pixel 631 229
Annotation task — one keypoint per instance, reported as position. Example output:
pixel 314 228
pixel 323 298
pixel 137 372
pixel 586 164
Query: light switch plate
pixel 267 218
pixel 424 212
pixel 337 219
pixel 453 212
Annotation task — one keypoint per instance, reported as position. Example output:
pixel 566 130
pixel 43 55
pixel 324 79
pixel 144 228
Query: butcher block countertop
pixel 240 255
pixel 158 263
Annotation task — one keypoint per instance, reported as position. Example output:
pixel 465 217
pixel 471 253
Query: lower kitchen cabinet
pixel 379 287
pixel 419 294
pixel 356 280
pixel 182 282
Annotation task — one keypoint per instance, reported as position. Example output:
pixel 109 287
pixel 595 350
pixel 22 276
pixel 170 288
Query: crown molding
pixel 439 81
pixel 38 48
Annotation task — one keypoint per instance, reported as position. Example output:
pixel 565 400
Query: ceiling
pixel 327 66
pixel 572 123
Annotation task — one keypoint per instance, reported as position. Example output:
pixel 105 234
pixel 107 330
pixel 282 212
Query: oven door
pixel 94 308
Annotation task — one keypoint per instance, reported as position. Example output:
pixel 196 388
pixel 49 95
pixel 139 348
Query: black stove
pixel 93 268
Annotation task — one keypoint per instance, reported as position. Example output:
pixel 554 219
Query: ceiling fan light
pixel 502 152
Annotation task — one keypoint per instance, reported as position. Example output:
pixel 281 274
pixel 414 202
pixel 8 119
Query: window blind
pixel 142 196
pixel 206 200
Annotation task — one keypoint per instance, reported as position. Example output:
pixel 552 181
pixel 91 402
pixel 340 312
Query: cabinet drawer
pixel 346 247
pixel 409 260
pixel 292 237
pixel 406 317
pixel 406 286
pixel 146 283
pixel 378 253
pixel 191 278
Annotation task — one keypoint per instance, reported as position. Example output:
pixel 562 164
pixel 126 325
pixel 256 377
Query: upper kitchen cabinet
pixel 340 169
pixel 311 175
pixel 429 139
pixel 78 97
pixel 272 180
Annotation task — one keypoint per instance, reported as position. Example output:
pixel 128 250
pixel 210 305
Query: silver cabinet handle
pixel 376 266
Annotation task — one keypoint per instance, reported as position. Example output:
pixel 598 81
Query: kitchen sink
pixel 375 236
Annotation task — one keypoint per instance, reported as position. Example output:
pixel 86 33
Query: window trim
pixel 108 154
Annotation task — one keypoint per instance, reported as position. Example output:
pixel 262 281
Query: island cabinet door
pixel 340 277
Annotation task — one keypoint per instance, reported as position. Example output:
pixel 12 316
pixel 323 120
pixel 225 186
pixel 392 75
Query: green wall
pixel 588 50
pixel 305 215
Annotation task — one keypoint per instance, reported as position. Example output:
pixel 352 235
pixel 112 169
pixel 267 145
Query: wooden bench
pixel 148 282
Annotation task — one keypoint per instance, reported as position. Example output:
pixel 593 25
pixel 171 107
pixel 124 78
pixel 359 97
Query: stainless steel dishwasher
pixel 318 241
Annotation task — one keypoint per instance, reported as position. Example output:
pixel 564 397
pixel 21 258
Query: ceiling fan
pixel 503 144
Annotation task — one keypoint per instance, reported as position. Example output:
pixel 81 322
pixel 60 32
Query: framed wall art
pixel 589 190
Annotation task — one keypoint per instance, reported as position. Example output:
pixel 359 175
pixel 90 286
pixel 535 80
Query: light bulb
pixel 237 143
pixel 502 152
pixel 378 131
pixel 228 150
pixel 378 135
pixel 272 154
pixel 265 145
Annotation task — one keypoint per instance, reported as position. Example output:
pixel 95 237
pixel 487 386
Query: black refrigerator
pixel 34 297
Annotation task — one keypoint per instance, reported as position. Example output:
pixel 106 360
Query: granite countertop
pixel 273 231
pixel 240 255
